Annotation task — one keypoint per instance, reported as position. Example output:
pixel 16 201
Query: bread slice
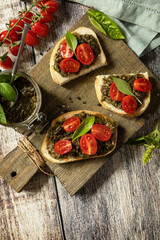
pixel 105 104
pixel 65 116
pixel 99 61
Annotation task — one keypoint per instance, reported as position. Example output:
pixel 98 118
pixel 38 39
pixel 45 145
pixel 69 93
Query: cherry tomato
pixel 16 28
pixel 27 18
pixel 142 85
pixel 85 54
pixel 13 36
pixel 52 6
pixel 129 104
pixel 88 144
pixel 70 65
pixel 71 124
pixel 101 132
pixel 14 50
pixel 41 29
pixel 47 17
pixel 63 146
pixel 40 3
pixel 66 52
pixel 115 94
pixel 7 63
pixel 31 38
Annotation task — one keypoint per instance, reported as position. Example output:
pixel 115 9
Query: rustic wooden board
pixel 120 60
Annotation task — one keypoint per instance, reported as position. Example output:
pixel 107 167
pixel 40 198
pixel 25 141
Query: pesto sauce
pixel 25 104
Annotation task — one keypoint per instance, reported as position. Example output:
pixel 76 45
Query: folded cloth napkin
pixel 139 20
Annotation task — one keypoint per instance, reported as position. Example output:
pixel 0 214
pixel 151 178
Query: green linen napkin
pixel 139 20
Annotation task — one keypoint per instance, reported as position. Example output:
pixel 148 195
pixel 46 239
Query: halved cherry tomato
pixel 115 94
pixel 142 85
pixel 7 63
pixel 66 52
pixel 101 132
pixel 16 28
pixel 85 54
pixel 14 50
pixel 27 18
pixel 129 104
pixel 31 38
pixel 41 29
pixel 71 124
pixel 63 146
pixel 13 36
pixel 70 65
pixel 52 6
pixel 47 17
pixel 88 144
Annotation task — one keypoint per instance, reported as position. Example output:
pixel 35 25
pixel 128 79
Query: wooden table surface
pixel 121 201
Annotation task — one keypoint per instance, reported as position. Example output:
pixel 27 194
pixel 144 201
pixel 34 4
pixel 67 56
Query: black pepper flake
pixel 84 102
pixel 41 53
pixel 79 98
pixel 99 105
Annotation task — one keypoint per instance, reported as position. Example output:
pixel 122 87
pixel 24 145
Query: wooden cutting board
pixel 75 95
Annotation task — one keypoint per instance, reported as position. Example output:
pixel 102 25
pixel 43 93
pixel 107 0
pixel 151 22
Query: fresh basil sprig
pixel 150 141
pixel 84 127
pixel 2 116
pixel 104 24
pixel 71 41
pixel 124 87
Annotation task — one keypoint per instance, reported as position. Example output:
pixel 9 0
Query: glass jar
pixel 34 115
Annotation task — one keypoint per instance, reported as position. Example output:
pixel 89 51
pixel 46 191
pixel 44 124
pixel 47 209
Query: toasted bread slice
pixel 99 61
pixel 106 104
pixel 65 116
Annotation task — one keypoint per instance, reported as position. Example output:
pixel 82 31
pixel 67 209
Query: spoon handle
pixel 14 69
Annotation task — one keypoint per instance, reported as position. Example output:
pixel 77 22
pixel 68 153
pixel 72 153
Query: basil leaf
pixel 71 41
pixel 5 78
pixel 7 91
pixel 84 127
pixel 124 87
pixel 104 24
pixel 2 116
pixel 96 24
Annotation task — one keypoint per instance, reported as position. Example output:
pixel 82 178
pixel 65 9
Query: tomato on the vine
pixel 6 63
pixel 46 17
pixel 41 29
pixel 142 85
pixel 14 50
pixel 101 132
pixel 18 27
pixel 115 94
pixel 28 17
pixel 129 104
pixel 31 38
pixel 63 146
pixel 88 144
pixel 40 3
pixel 13 36
pixel 85 54
pixel 52 6
pixel 71 124
pixel 70 65
pixel 66 52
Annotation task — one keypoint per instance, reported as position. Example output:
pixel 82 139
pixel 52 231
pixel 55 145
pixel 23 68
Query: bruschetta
pixel 65 65
pixel 126 105
pixel 79 135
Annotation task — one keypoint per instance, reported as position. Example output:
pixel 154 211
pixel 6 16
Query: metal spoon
pixel 14 69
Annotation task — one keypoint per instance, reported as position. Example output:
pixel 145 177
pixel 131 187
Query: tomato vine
pixel 38 19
